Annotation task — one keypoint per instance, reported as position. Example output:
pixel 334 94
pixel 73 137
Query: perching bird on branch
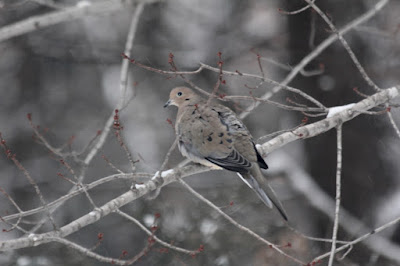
pixel 211 134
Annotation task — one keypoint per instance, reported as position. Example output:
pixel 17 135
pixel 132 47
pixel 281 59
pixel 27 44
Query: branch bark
pixel 169 176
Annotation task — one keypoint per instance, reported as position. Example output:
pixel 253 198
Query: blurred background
pixel 67 76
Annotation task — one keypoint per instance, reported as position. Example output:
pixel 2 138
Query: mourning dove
pixel 211 134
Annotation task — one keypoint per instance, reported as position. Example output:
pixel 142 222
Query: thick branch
pixel 170 176
pixel 326 124
pixel 95 215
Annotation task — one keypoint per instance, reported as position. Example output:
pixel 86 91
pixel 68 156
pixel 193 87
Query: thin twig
pixel 318 50
pixel 15 205
pixel 345 45
pixel 285 138
pixel 111 164
pixel 158 240
pixel 236 224
pixel 271 81
pixel 13 225
pixel 28 176
pixel 303 122
pixel 338 192
pixel 172 175
pixel 394 125
pixel 87 252
pixel 358 240
pixel 311 40
pixel 324 125
pixel 104 133
pixel 318 239
pixel 318 199
pixel 170 150
pixel 128 49
pixel 77 192
pixel 68 14
pixel 230 73
pixel 78 182
pixel 279 105
pixel 303 72
pixel 295 12
pixel 158 176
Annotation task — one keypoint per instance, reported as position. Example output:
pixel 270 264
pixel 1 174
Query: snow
pixel 83 4
pixel 167 172
pixel 337 109
pixel 155 175
pixel 163 173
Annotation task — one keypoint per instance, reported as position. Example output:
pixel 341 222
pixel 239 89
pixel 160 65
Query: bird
pixel 211 134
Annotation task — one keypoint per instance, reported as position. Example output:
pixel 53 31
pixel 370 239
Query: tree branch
pixel 318 50
pixel 338 192
pixel 326 124
pixel 171 175
pixel 317 198
pixel 52 18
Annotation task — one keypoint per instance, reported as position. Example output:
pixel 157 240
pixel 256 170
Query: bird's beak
pixel 167 103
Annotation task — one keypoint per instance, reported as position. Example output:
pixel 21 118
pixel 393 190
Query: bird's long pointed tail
pixel 256 181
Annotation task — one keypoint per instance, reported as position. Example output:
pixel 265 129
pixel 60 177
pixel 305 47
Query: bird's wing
pixel 214 133
pixel 243 140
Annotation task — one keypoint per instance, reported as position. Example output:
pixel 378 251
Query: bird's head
pixel 181 96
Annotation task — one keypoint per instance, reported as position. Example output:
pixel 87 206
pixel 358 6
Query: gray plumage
pixel 212 134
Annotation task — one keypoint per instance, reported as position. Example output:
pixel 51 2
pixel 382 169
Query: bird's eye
pixel 179 94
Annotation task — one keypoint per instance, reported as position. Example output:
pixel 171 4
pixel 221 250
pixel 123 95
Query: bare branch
pixel 393 123
pixel 329 123
pixel 104 133
pixel 321 201
pixel 318 50
pixel 295 12
pixel 95 215
pixel 271 81
pixel 128 49
pixel 170 176
pixel 91 254
pixel 76 192
pixel 338 192
pixel 158 240
pixel 77 12
pixel 364 237
pixel 122 88
pixel 345 45
pixel 303 72
pixel 28 176
pixel 224 72
pixel 236 224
